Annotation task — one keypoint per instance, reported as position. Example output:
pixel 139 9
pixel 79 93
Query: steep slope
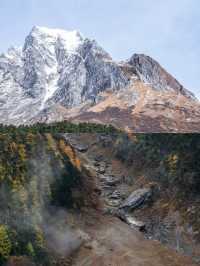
pixel 166 165
pixel 154 101
pixel 53 211
pixel 152 73
pixel 39 191
pixel 60 75
pixel 141 108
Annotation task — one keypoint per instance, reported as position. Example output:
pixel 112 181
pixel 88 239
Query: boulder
pixel 137 198
pixel 96 164
pixel 102 168
pixel 130 220
pixel 98 158
pixel 115 195
pixel 110 180
pixel 81 147
pixel 113 202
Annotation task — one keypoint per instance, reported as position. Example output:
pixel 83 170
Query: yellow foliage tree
pixel 5 243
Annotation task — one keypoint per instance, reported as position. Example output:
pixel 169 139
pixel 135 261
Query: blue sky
pixel 169 31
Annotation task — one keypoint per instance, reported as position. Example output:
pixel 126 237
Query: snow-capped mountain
pixel 60 75
pixel 54 66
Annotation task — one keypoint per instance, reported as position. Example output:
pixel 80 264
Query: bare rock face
pixel 152 73
pixel 60 75
pixel 137 198
pixel 132 221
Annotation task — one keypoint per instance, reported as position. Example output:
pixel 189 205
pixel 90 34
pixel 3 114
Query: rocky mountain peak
pixel 71 40
pixel 58 71
pixel 151 72
pixel 13 53
pixel 54 67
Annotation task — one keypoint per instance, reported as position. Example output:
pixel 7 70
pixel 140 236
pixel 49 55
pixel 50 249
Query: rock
pixel 106 187
pixel 106 140
pixel 81 147
pixel 110 180
pixel 115 195
pixel 102 168
pixel 98 158
pixel 135 223
pixel 137 198
pixel 114 199
pixel 74 143
pixel 70 139
pixel 130 220
pixel 96 164
pixel 151 72
pixel 113 202
pixel 109 168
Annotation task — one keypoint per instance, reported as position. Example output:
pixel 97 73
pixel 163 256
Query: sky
pixel 168 31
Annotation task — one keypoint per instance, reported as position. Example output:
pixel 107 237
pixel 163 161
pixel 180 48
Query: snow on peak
pixel 46 42
pixel 14 54
pixel 71 40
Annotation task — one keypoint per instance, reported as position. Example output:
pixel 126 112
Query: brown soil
pixel 113 243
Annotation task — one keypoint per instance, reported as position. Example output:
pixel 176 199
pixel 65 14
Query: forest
pixel 38 173
pixel 58 127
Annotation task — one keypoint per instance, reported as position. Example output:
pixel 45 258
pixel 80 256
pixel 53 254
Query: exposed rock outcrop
pixel 152 73
pixel 137 198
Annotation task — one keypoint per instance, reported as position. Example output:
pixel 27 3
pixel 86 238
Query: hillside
pixel 40 176
pixel 165 165
pixel 57 208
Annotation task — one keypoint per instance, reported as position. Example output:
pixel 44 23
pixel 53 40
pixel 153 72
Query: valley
pixel 99 133
pixel 91 172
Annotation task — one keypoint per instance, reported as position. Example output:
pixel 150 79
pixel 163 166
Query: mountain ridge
pixel 60 75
